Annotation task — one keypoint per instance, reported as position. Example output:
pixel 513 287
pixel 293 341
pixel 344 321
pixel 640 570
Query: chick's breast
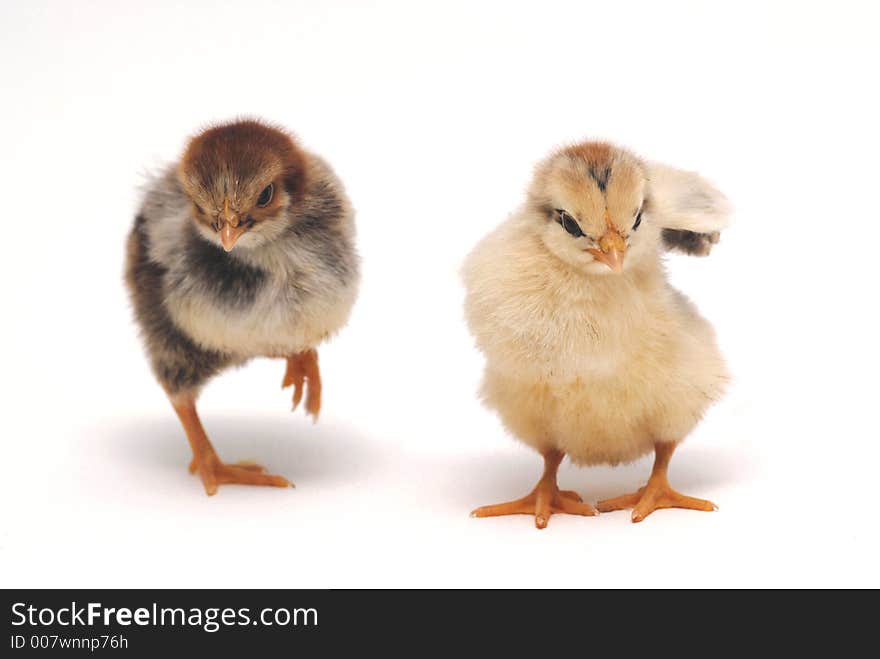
pixel 598 367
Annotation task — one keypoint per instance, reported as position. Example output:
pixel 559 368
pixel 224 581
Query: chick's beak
pixel 612 248
pixel 229 235
pixel 231 228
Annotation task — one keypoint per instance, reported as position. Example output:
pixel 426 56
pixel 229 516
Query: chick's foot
pixel 542 503
pixel 654 497
pixel 205 461
pixel 657 493
pixel 241 464
pixel 214 473
pixel 305 376
pixel 544 500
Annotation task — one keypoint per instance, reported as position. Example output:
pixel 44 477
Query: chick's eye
pixel 568 223
pixel 266 195
pixel 638 220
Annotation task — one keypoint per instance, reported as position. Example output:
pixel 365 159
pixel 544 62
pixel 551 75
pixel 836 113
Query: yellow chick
pixel 590 352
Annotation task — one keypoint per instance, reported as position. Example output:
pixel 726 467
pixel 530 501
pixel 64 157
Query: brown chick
pixel 242 249
pixel 590 352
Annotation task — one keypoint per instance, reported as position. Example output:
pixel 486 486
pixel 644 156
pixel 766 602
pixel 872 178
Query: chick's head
pixel 242 178
pixel 589 199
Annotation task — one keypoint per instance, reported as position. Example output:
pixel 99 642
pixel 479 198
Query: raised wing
pixel 691 211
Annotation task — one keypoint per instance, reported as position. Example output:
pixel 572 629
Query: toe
pixel 576 508
pixel 250 466
pixel 644 508
pixel 209 481
pixel 246 476
pixel 619 503
pixel 524 506
pixel 544 497
pixel 313 406
pixel 677 500
pixel 297 393
pixel 206 466
pixel 640 514
pixel 290 378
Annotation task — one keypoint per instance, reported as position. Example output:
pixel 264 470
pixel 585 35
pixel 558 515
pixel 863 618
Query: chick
pixel 244 248
pixel 590 352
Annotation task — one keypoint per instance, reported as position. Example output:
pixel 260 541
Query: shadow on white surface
pixel 293 447
pixel 696 471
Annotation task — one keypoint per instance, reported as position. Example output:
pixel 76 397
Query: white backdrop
pixel 434 116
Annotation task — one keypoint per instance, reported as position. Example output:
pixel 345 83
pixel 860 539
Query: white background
pixel 434 116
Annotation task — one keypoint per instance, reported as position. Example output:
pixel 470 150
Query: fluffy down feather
pixel 599 366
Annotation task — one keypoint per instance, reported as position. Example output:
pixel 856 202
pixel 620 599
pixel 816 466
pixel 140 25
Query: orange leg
pixel 302 369
pixel 657 493
pixel 544 500
pixel 212 471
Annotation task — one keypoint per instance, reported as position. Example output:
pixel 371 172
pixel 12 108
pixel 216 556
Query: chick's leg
pixel 205 461
pixel 657 493
pixel 544 500
pixel 303 373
